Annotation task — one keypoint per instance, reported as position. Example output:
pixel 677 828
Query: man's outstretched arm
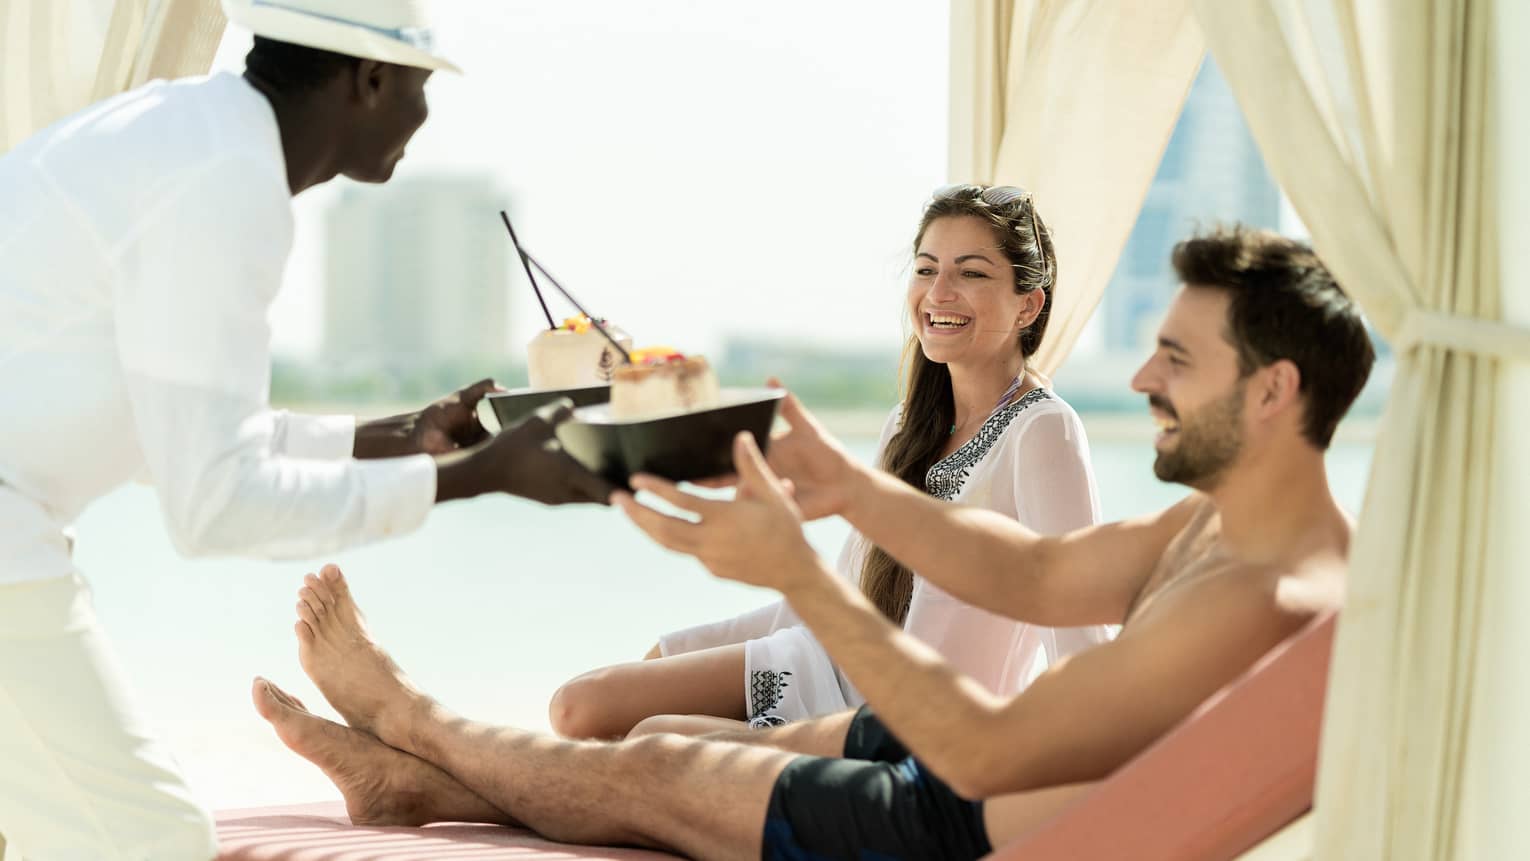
pixel 986 559
pixel 1080 721
pixel 1083 718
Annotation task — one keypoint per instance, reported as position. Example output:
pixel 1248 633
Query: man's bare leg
pixel 382 786
pixel 702 798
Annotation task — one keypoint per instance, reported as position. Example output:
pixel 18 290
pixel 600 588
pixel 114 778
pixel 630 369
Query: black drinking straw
pixel 526 255
pixel 530 277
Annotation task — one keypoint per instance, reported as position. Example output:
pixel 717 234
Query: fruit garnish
pixel 656 355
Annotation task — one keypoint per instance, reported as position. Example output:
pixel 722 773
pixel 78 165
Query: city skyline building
pixel 1211 172
pixel 416 271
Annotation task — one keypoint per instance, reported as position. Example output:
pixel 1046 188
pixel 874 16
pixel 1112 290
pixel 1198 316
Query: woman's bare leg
pixel 824 736
pixel 609 702
pixel 691 725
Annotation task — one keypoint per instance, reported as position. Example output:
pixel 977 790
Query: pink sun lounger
pixel 322 832
pixel 1238 769
pixel 1234 772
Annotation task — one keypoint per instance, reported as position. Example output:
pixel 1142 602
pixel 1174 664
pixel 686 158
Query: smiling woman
pixel 975 427
pixel 980 298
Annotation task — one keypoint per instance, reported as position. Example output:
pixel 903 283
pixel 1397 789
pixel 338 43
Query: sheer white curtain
pixel 1379 119
pixel 57 56
pixel 1074 100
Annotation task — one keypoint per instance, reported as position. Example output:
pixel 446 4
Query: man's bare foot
pixel 354 673
pixel 382 786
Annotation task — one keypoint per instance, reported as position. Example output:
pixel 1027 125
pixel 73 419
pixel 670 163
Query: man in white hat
pixel 143 240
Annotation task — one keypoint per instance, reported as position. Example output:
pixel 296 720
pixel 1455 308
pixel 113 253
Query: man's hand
pixel 447 425
pixel 524 460
pixel 822 472
pixel 755 538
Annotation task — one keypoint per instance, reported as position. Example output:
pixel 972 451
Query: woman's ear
pixel 1030 309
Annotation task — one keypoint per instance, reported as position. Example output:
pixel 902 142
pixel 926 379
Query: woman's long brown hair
pixel 928 406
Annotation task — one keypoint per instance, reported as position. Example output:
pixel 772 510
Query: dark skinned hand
pixel 524 460
pixel 447 425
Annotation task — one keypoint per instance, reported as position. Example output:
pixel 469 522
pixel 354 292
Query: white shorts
pixel 82 776
pixel 788 677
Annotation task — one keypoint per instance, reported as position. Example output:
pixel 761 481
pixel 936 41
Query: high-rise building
pixel 417 271
pixel 1211 172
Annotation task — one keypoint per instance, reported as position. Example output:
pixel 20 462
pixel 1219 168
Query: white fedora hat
pixel 392 31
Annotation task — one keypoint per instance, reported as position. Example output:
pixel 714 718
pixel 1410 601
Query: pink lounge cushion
pixel 1238 769
pixel 322 832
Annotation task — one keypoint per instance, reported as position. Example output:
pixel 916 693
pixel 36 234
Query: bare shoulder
pixel 1170 522
pixel 1197 633
pixel 1244 609
pixel 1099 571
pixel 1205 631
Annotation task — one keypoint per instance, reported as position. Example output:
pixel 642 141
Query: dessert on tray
pixel 661 381
pixel 574 355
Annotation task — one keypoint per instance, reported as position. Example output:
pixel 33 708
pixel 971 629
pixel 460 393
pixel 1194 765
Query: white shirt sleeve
pixel 191 298
pixel 314 437
pixel 1055 493
pixel 1050 476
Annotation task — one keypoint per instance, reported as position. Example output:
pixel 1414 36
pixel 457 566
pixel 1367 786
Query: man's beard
pixel 1208 443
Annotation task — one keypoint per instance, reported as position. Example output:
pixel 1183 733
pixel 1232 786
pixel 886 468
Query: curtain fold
pixel 1378 119
pixel 57 56
pixel 1496 792
pixel 1074 100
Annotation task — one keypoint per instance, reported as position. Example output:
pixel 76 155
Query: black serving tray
pixel 680 447
pixel 513 406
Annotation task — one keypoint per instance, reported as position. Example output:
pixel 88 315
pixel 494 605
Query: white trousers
pixel 80 775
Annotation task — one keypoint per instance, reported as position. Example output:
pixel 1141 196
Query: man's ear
pixel 367 82
pixel 1278 387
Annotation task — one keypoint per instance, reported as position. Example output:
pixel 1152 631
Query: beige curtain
pixel 57 56
pixel 1496 789
pixel 1378 118
pixel 1074 100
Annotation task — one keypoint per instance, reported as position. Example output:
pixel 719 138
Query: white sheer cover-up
pixel 1030 461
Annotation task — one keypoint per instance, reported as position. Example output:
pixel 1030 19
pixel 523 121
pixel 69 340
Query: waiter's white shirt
pixel 141 244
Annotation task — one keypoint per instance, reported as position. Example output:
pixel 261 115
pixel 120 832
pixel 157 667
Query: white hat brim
pixel 353 40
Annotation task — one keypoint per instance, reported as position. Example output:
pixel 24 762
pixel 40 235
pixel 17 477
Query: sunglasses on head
pixel 1000 195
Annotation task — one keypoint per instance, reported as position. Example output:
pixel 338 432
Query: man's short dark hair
pixel 293 68
pixel 1285 305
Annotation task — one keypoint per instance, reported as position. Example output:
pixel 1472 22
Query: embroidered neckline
pixel 945 478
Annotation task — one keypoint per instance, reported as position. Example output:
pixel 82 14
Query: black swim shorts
pixel 876 803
